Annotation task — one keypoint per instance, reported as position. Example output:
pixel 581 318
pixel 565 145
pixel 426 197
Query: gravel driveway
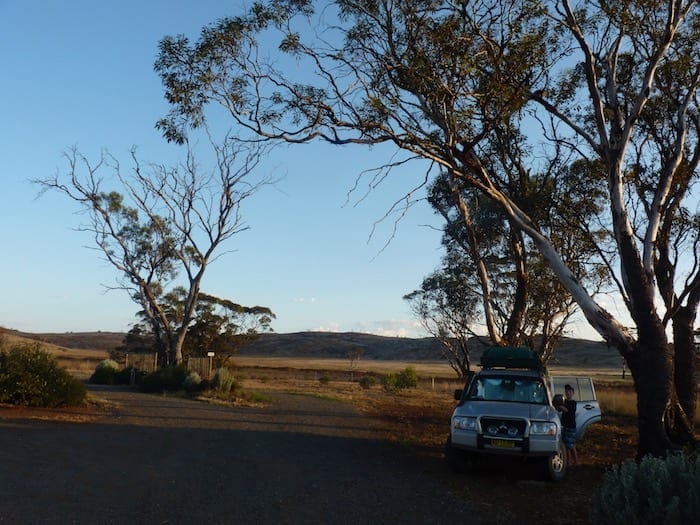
pixel 177 461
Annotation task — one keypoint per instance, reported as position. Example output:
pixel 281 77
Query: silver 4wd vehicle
pixel 507 409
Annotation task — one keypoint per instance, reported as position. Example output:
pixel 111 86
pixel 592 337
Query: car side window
pixel 583 387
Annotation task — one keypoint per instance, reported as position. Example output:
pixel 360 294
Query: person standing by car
pixel 568 423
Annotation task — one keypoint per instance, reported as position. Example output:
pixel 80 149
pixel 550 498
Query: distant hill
pixel 102 341
pixel 572 352
pixel 342 344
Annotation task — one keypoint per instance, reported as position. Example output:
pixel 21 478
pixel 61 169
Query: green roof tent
pixel 511 357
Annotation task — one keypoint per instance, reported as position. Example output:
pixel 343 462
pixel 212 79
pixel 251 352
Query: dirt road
pixel 177 461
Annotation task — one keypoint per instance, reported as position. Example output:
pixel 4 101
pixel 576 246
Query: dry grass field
pixel 418 418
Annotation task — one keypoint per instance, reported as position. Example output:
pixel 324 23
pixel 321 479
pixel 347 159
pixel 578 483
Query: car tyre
pixel 459 461
pixel 555 466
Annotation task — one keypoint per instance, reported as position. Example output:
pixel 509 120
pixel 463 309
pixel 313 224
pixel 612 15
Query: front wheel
pixel 459 461
pixel 555 466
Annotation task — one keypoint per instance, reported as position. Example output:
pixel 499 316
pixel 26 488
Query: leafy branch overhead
pixel 586 105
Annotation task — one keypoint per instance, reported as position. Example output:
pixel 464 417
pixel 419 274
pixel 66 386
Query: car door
pixel 587 406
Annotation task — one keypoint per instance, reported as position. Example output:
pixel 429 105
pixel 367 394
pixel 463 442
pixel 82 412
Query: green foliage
pixel 407 378
pixel 123 377
pixel 223 326
pixel 218 325
pixel 368 382
pixel 193 382
pixel 224 381
pixel 105 373
pixel 324 379
pixel 651 491
pixel 169 378
pixel 30 376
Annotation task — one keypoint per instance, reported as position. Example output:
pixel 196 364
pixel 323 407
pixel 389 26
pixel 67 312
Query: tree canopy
pixel 160 227
pixel 606 92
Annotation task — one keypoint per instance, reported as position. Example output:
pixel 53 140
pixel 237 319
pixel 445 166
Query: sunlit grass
pixel 618 401
pixel 623 401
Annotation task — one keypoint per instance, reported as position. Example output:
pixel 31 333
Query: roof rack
pixel 511 357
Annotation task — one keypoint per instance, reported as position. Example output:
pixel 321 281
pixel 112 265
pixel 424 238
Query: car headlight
pixel 544 428
pixel 464 423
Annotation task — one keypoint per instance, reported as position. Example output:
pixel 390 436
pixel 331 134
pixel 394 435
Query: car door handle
pixel 589 407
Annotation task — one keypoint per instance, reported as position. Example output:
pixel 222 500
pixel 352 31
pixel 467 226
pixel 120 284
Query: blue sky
pixel 80 73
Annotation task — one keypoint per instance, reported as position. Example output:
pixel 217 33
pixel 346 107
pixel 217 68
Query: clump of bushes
pixel 30 376
pixel 368 381
pixel 105 373
pixel 407 378
pixel 168 378
pixel 224 381
pixel 651 491
pixel 108 372
pixel 193 382
pixel 126 375
pixel 324 379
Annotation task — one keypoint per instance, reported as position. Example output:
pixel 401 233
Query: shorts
pixel 568 436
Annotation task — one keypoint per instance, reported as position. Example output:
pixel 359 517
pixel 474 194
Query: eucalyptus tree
pixel 218 325
pixel 492 276
pixel 447 308
pixel 224 327
pixel 438 79
pixel 162 226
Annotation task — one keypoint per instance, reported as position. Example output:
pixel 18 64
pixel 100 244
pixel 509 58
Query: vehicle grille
pixel 501 427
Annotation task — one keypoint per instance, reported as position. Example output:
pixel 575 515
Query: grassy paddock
pixel 615 393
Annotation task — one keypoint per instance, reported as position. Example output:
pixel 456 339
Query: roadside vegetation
pixel 30 376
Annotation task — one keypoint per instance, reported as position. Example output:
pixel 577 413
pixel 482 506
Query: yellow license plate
pixel 502 443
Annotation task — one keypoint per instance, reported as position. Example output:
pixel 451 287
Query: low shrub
pixel 168 378
pixel 224 381
pixel 390 382
pixel 651 491
pixel 192 382
pixel 105 373
pixel 368 382
pixel 30 376
pixel 324 379
pixel 124 376
pixel 407 378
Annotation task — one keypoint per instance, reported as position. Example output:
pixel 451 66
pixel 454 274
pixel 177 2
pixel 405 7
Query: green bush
pixel 407 378
pixel 651 491
pixel 224 381
pixel 324 379
pixel 367 382
pixel 192 382
pixel 123 377
pixel 105 373
pixel 30 376
pixel 168 378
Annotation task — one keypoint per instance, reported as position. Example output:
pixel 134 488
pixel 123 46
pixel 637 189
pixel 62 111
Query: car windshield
pixel 518 390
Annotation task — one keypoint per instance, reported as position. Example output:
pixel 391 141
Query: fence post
pixel 210 355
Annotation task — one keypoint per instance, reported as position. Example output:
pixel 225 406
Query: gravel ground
pixel 167 460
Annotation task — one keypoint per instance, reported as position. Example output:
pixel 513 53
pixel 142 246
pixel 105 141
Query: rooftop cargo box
pixel 511 357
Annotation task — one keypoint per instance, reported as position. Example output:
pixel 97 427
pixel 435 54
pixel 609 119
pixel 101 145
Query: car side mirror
pixel 458 394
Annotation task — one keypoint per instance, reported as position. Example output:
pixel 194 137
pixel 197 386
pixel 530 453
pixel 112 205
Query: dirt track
pixel 175 461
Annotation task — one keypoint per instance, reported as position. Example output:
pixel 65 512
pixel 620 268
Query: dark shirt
pixel 568 418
